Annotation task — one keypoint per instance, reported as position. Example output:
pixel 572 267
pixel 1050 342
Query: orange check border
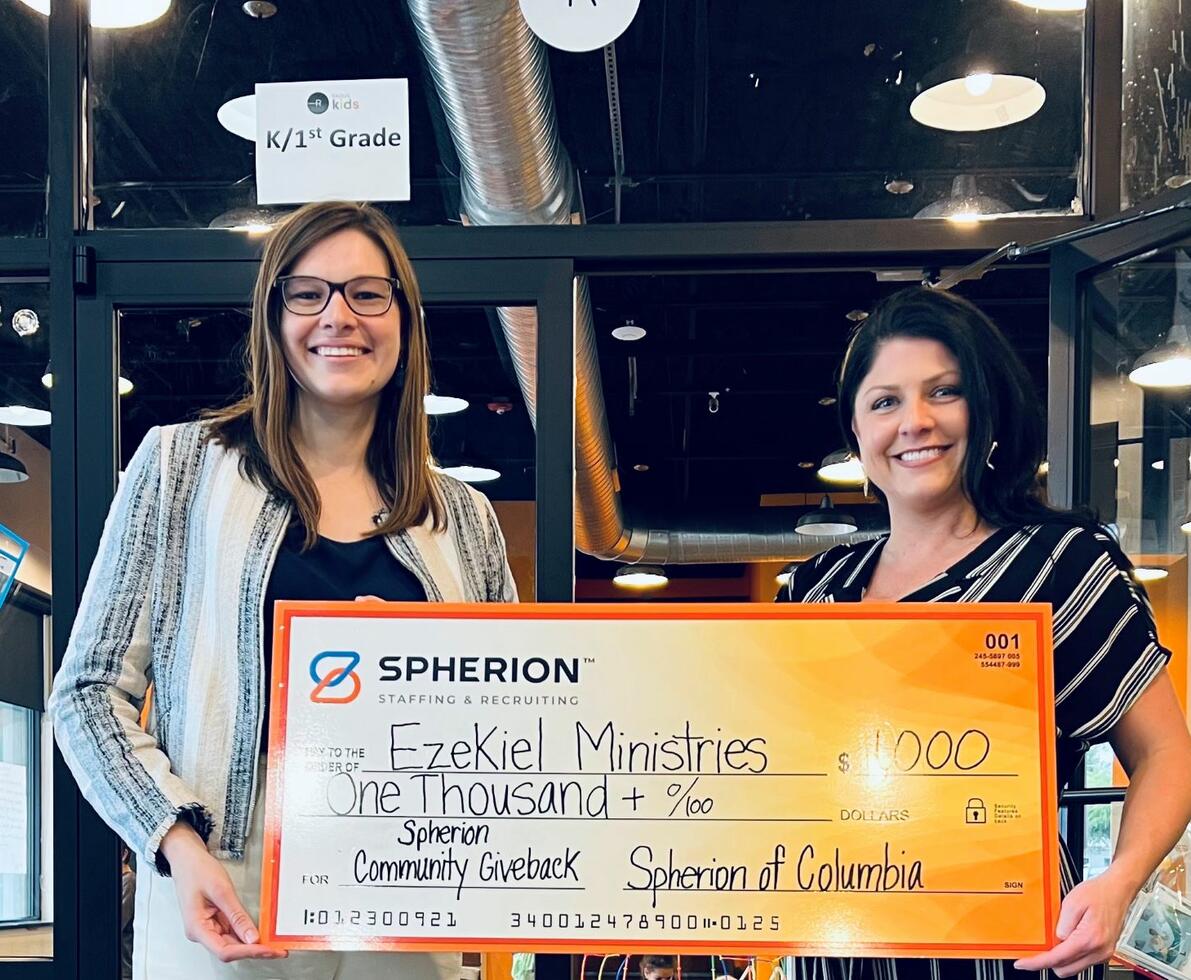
pixel 1037 614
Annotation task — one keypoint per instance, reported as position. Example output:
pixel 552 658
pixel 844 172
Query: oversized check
pixel 850 779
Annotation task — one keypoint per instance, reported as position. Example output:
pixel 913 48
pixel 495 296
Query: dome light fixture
pixel 23 416
pixel 1054 4
pixel 1148 573
pixel 12 470
pixel 444 404
pixel 842 468
pixel 469 473
pixel 628 331
pixel 976 101
pixel 825 521
pixel 1185 527
pixel 1168 364
pixel 238 116
pixel 640 577
pixel 115 13
pixel 965 203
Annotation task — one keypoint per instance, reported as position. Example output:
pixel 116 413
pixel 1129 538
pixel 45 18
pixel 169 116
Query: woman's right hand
pixel 211 911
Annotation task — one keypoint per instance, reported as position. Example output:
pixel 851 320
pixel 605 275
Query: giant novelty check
pixel 851 779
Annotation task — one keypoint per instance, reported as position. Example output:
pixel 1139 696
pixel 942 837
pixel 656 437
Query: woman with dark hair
pixel 940 412
pixel 317 484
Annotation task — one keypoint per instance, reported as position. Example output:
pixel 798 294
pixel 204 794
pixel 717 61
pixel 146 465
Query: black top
pixel 331 571
pixel 1106 652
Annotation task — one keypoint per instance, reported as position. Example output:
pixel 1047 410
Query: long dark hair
pixel 1002 405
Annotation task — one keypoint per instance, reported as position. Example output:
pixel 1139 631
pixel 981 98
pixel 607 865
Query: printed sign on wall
pixel 325 141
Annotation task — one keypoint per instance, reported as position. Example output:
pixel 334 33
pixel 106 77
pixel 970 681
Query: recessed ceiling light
pixel 628 331
pixel 470 474
pixel 238 116
pixel 25 323
pixel 1147 573
pixel 444 404
pixel 640 577
pixel 978 101
pixel 115 13
pixel 23 416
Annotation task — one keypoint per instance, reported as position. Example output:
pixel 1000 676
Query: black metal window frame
pixel 72 252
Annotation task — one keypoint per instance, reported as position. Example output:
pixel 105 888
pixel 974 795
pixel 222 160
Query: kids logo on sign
pixel 349 660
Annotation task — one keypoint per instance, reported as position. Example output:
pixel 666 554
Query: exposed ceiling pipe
pixel 492 76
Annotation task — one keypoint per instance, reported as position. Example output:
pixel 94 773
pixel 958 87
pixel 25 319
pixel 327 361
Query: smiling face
pixel 338 357
pixel 910 418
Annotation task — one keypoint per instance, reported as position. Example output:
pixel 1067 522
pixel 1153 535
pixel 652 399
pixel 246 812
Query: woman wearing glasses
pixel 941 412
pixel 316 485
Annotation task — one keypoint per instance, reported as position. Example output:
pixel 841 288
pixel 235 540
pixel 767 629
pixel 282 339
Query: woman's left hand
pixel 1090 923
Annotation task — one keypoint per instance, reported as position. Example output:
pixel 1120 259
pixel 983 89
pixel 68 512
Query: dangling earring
pixel 988 458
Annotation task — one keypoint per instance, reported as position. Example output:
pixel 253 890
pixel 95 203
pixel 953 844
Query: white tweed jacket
pixel 176 598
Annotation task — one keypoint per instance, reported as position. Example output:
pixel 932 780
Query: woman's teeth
pixel 916 454
pixel 338 351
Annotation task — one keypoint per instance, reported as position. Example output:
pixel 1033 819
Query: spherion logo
pixel 318 103
pixel 350 660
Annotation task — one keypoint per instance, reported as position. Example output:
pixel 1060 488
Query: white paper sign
pixel 579 25
pixel 326 141
pixel 14 809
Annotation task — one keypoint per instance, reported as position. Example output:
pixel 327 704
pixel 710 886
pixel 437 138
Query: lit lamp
pixel 640 577
pixel 842 468
pixel 1054 4
pixel 825 521
pixel 1168 364
pixel 1185 527
pixel 469 472
pixel 114 13
pixel 444 404
pixel 963 96
pixel 1147 573
pixel 965 203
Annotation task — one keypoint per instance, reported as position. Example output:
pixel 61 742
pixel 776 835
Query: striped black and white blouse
pixel 1106 652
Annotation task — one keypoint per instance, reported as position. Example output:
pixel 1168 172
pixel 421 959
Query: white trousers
pixel 161 951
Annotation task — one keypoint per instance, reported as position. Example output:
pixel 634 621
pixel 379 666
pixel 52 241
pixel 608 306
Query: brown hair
pixel 258 425
pixel 657 962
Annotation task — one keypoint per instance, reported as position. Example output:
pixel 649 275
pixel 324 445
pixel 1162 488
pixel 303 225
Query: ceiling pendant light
pixel 1168 364
pixel 841 467
pixel 469 473
pixel 965 203
pixel 23 416
pixel 973 101
pixel 238 116
pixel 640 577
pixel 12 470
pixel 444 404
pixel 115 13
pixel 1054 4
pixel 825 521
pixel 1148 573
pixel 1185 527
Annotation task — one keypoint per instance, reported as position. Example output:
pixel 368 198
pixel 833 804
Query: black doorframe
pixel 1073 267
pixel 546 284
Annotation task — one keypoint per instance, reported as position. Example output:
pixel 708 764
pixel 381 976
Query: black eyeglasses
pixel 365 295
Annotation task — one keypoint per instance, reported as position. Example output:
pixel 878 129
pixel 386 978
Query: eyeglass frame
pixel 341 288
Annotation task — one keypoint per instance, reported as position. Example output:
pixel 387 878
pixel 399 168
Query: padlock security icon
pixel 975 811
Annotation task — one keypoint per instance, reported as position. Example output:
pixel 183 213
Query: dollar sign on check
pixel 844 763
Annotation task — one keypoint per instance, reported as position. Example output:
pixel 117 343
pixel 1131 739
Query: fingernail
pixel 251 935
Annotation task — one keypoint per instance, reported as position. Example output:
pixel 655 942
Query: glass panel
pixel 718 117
pixel 24 118
pixel 1155 120
pixel 1102 822
pixel 722 412
pixel 26 748
pixel 1140 441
